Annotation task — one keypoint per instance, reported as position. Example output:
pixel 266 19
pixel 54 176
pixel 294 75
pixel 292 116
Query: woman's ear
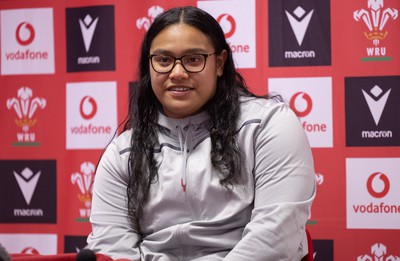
pixel 221 58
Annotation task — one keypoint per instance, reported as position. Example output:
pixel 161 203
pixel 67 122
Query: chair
pixel 310 255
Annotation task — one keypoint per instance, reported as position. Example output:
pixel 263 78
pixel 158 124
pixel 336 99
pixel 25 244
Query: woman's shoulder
pixel 121 143
pixel 124 137
pixel 259 107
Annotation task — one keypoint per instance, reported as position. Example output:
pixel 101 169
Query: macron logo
pixel 88 26
pixel 376 105
pixel 299 23
pixel 27 182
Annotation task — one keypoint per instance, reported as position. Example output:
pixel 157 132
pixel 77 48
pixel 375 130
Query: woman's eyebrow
pixel 196 50
pixel 188 51
pixel 161 51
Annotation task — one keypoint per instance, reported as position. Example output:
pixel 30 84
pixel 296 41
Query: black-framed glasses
pixel 193 63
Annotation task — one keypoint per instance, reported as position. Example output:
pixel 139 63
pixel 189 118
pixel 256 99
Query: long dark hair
pixel 224 109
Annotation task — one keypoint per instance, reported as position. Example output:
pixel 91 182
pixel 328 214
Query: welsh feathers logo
pixel 146 21
pixel 83 180
pixel 375 19
pixel 25 106
pixel 378 252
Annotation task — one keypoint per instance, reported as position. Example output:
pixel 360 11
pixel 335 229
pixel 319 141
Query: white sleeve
pixel 284 190
pixel 111 233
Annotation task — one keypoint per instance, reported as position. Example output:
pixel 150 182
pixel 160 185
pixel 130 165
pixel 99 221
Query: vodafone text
pixel 27 55
pixel 315 127
pixel 377 208
pixel 239 48
pixel 90 129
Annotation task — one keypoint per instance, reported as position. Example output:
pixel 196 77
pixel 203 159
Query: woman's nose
pixel 178 71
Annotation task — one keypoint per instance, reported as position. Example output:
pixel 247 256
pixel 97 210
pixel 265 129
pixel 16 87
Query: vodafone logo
pixel 25 33
pixel 310 98
pixel 372 195
pixel 27 42
pixel 228 24
pixel 91 114
pixel 30 250
pixel 301 103
pixel 378 185
pixel 238 23
pixel 88 107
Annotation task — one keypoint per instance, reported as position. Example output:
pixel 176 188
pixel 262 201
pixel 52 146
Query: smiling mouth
pixel 180 89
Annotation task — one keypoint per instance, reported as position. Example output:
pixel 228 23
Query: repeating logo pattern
pixel 375 19
pixel 91 114
pixel 30 187
pixel 25 106
pixel 372 105
pixel 83 180
pixel 379 252
pixel 90 39
pixel 299 33
pixel 145 21
pixel 311 100
pixel 237 19
pixel 373 188
pixel 27 41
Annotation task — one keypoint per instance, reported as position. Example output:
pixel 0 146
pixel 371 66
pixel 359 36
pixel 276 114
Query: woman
pixel 204 169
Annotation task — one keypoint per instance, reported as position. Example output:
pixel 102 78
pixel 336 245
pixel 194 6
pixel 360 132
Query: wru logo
pixel 375 19
pixel 379 253
pixel 83 180
pixel 25 106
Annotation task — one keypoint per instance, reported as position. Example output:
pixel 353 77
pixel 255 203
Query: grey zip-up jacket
pixel 190 216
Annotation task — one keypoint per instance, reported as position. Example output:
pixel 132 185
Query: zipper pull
pixel 183 186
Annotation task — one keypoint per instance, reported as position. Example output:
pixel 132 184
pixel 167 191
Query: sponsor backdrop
pixel 65 76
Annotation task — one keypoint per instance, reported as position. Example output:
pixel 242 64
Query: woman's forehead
pixel 181 37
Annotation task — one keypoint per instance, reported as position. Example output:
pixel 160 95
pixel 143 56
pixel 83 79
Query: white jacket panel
pixel 190 216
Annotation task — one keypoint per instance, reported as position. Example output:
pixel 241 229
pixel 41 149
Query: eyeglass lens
pixel 191 62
